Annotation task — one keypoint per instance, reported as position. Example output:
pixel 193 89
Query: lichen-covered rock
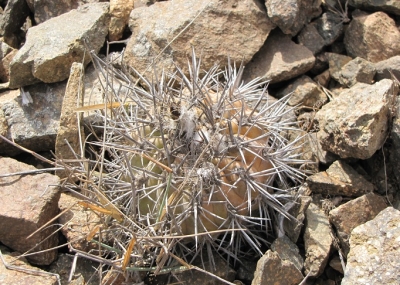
pixel 357 70
pixel 374 256
pixel 53 46
pixel 355 123
pixel 373 37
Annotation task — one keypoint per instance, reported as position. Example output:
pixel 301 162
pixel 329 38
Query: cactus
pixel 199 159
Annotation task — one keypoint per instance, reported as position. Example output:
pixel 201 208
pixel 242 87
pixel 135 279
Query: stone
pixel 167 31
pixel 388 6
pixel 354 213
pixel 373 37
pixel 293 227
pixel 317 240
pixel 339 179
pixel 288 250
pixel 27 202
pixel 355 123
pixel 311 39
pixel 323 156
pixel 5 65
pixel 271 269
pixel 35 125
pixel 374 251
pixel 119 11
pixel 357 70
pixel 336 264
pixel 305 92
pixel 385 68
pixel 336 63
pixel 50 60
pixel 279 59
pixel 291 15
pixel 37 276
pixel 13 18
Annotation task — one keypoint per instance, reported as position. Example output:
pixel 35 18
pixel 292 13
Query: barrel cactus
pixel 190 158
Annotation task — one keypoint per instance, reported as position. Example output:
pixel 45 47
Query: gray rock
pixel 373 37
pixel 291 15
pixel 271 269
pixel 374 256
pixel 287 250
pixel 384 67
pixel 354 213
pixel 317 240
pixel 336 63
pixel 34 125
pixel 339 179
pixel 293 227
pixel 12 20
pixel 311 39
pixel 53 46
pixel 355 123
pixel 323 156
pixel 166 32
pixel 279 59
pixel 389 6
pixel 27 203
pixel 357 70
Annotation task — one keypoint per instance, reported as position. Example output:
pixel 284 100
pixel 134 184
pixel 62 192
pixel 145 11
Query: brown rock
pixel 5 66
pixel 373 37
pixel 336 62
pixel 357 70
pixel 27 203
pixel 119 10
pixel 279 59
pixel 354 213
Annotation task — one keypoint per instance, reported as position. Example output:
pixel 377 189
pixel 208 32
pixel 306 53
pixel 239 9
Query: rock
pixel 279 59
pixel 119 10
pixel 27 203
pixel 305 92
pixel 34 125
pixel 383 67
pixel 355 123
pixel 68 140
pixel 354 213
pixel 167 30
pixel 395 135
pixel 373 37
pixel 317 240
pixel 340 179
pixel 273 270
pixel 336 264
pixel 5 65
pixel 323 156
pixel 50 60
pixel 311 39
pixel 79 223
pixel 36 276
pixel 336 63
pixel 357 70
pixel 13 18
pixel 293 227
pixel 291 15
pixel 388 6
pixel 374 251
pixel 287 250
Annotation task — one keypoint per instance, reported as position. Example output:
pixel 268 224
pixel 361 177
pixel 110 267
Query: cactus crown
pixel 186 161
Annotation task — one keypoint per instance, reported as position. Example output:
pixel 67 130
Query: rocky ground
pixel 339 59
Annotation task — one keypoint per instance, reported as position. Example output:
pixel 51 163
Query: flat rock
pixel 271 269
pixel 166 32
pixel 374 256
pixel 33 125
pixel 279 59
pixel 357 70
pixel 355 123
pixel 384 67
pixel 389 6
pixel 16 277
pixel 317 240
pixel 373 37
pixel 50 60
pixel 354 213
pixel 26 203
pixel 339 179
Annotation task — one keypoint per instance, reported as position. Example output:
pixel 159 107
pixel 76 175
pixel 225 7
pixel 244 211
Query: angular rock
pixel 354 213
pixel 5 65
pixel 311 39
pixel 28 202
pixel 291 15
pixel 317 240
pixel 279 59
pixel 389 6
pixel 287 250
pixel 340 179
pixel 271 269
pixel 355 123
pixel 323 156
pixel 18 277
pixel 119 10
pixel 336 63
pixel 293 227
pixel 357 70
pixel 13 18
pixel 168 30
pixel 374 251
pixel 50 60
pixel 34 125
pixel 373 37
pixel 383 67
pixel 305 92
